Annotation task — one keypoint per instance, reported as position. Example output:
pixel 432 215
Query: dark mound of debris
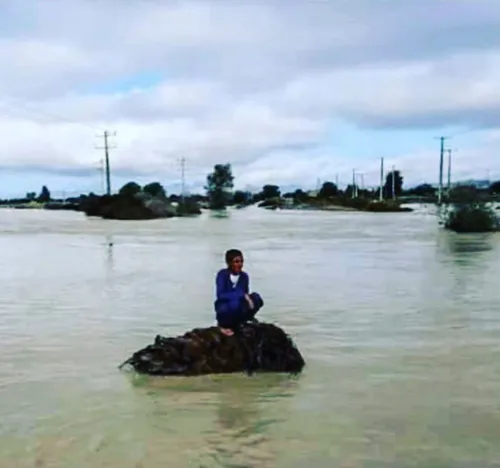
pixel 255 347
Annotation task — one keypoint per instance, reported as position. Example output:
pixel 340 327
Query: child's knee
pixel 257 300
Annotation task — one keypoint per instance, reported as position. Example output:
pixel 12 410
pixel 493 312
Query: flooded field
pixel 398 322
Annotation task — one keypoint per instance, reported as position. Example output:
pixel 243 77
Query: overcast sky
pixel 288 92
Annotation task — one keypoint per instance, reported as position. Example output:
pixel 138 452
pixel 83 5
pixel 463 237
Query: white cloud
pixel 254 84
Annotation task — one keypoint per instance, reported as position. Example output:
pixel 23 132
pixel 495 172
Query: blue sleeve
pixel 246 284
pixel 223 292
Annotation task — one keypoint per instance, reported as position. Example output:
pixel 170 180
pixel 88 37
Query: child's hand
pixel 250 302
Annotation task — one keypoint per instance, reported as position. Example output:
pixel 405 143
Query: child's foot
pixel 226 331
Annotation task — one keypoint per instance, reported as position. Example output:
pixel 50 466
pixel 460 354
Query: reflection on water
pixel 242 436
pixel 470 254
pixel 109 251
pixel 470 243
pixel 397 320
pixel 243 411
pixel 219 214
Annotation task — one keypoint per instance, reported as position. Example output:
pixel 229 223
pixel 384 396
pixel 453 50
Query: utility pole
pixel 353 183
pixel 449 171
pixel 440 190
pixel 381 195
pixel 101 171
pixel 360 176
pixel 337 180
pixel 393 183
pixel 183 177
pixel 106 149
pixel 440 193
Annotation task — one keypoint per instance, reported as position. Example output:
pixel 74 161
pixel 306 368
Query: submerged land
pixel 144 205
pixel 149 207
pixel 468 207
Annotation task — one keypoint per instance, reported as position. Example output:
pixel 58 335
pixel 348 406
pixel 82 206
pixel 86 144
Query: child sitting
pixel 234 305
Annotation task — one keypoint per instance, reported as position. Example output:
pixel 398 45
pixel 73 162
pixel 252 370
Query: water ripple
pixel 397 320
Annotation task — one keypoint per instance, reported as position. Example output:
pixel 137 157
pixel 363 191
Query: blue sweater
pixel 224 287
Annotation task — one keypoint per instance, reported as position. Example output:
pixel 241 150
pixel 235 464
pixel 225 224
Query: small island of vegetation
pixel 470 211
pixel 330 198
pixel 467 209
pixel 133 202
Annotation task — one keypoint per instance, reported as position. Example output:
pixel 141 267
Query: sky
pixel 288 92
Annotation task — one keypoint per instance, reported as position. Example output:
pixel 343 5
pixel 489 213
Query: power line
pixel 106 149
pixel 43 116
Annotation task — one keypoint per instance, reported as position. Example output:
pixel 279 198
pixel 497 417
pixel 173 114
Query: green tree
pixel 349 190
pixel 328 190
pixel 44 196
pixel 219 186
pixel 495 187
pixel 299 196
pixel 467 212
pixel 31 196
pixel 241 198
pixel 423 190
pixel 270 191
pixel 155 189
pixel 130 189
pixel 398 184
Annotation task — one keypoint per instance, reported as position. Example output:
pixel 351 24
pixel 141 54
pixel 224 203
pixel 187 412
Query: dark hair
pixel 231 254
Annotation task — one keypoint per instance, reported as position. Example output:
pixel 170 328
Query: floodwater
pixel 398 322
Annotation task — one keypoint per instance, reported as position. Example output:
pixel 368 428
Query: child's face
pixel 236 265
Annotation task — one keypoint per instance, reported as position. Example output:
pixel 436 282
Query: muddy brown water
pixel 398 321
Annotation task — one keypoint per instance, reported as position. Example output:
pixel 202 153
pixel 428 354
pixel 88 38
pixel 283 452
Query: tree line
pixel 219 191
pixel 220 183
